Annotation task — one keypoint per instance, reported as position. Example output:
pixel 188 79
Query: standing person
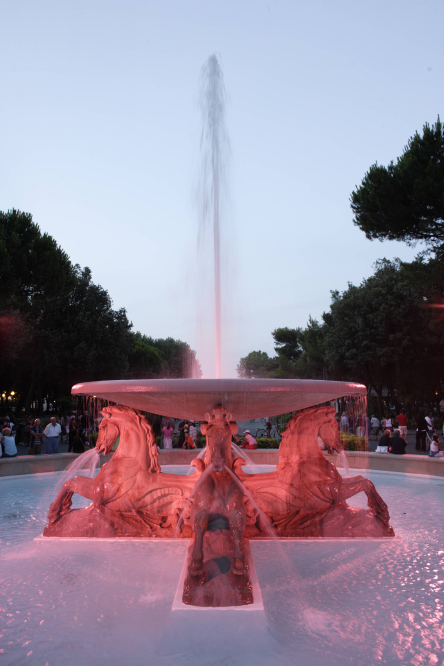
pixel 250 442
pixel 36 439
pixel 167 422
pixel 360 428
pixel 167 433
pixel 52 434
pixel 193 431
pixel 184 427
pixel 375 427
pixel 29 424
pixel 344 423
pixel 430 421
pixel 384 442
pixel 68 421
pixel 397 443
pixel 421 430
pixel 72 434
pixel 367 426
pixel 8 444
pixel 388 423
pixel 268 426
pixel 402 424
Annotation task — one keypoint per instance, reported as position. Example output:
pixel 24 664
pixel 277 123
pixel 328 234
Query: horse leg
pixel 62 503
pixel 237 520
pixel 359 484
pixel 199 521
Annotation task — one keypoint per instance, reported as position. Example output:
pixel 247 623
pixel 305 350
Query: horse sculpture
pixel 306 496
pixel 130 496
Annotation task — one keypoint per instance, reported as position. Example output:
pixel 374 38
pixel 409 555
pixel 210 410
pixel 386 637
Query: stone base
pixel 219 586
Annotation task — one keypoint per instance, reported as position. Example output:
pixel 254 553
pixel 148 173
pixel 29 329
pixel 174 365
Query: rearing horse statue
pixel 130 496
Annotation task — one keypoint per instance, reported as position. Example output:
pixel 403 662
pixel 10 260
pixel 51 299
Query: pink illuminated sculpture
pixel 219 505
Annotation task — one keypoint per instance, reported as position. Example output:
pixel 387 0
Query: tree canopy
pixel 384 332
pixel 57 327
pixel 405 200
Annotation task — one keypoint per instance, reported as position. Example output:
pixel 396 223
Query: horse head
pixel 300 438
pixel 218 430
pixel 137 439
pixel 329 431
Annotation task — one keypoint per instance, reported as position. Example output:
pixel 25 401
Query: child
pixel 435 447
pixel 188 443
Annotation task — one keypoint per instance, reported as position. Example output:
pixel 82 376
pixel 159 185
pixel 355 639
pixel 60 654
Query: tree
pixel 380 333
pixel 164 357
pixel 33 267
pixel 405 201
pixel 257 364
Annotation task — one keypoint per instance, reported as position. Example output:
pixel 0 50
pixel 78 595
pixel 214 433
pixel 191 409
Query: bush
pixel 352 442
pixel 267 443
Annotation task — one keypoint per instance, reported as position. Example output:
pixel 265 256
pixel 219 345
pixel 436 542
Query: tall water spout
pixel 214 154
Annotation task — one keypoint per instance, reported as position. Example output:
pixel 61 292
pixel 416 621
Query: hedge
pixel 352 442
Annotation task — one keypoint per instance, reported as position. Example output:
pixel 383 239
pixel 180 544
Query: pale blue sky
pixel 99 136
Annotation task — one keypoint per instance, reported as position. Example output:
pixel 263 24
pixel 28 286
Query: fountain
pixel 220 506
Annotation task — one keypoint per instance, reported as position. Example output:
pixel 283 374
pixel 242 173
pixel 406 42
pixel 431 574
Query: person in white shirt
pixel 193 431
pixel 8 444
pixel 250 442
pixel 435 447
pixel 375 427
pixel 52 434
pixel 344 423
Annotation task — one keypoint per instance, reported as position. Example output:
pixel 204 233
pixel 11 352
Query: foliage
pixel 256 364
pixel 405 201
pixel 33 267
pixel 352 442
pixel 267 443
pixel 58 328
pixel 385 333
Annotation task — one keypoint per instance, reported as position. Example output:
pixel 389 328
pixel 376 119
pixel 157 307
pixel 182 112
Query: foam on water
pixel 109 602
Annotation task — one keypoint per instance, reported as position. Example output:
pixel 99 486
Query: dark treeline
pixel 58 328
pixel 388 332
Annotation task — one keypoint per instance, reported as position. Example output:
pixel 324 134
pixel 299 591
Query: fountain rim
pixel 219 385
pixel 192 398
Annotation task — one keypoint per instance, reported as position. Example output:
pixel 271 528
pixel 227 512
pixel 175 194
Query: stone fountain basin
pixel 243 398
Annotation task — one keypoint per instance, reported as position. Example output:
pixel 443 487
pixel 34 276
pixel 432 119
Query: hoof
pixel 196 567
pixel 238 567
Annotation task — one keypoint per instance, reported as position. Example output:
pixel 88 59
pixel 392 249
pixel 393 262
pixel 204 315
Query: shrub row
pixel 352 442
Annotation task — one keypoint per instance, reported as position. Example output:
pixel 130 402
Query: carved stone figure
pixel 220 504
pixel 218 571
pixel 130 496
pixel 306 496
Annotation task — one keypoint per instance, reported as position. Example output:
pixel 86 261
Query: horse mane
pixel 139 420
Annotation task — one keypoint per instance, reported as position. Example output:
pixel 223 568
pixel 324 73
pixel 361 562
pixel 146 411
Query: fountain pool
pixel 325 601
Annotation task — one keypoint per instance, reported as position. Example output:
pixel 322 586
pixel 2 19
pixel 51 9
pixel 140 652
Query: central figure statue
pixel 218 569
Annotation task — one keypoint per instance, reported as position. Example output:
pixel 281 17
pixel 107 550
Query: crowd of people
pixel 187 435
pixel 76 428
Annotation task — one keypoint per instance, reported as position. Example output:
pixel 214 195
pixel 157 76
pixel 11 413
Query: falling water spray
pixel 214 155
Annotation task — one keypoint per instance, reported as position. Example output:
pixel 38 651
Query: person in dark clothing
pixel 78 444
pixel 73 429
pixel 184 427
pixel 397 444
pixel 421 429
pixel 384 442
